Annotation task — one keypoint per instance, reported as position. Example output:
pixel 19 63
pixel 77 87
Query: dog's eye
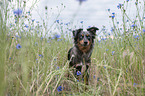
pixel 88 37
pixel 82 36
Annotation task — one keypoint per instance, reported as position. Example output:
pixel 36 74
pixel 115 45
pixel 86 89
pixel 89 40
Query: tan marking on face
pixel 81 42
pixel 82 48
pixel 88 42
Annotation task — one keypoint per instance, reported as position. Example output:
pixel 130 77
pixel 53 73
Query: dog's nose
pixel 85 43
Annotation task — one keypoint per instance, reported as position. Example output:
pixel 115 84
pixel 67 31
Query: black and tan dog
pixel 80 54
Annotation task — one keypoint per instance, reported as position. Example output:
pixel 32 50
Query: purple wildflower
pixel 81 22
pixel 109 10
pixel 98 79
pixel 18 46
pixel 57 36
pixel 119 6
pixel 57 21
pixel 134 84
pixel 134 25
pixel 78 73
pixel 113 52
pixel 143 30
pixel 17 12
pixel 59 88
pixel 113 17
pixel 81 1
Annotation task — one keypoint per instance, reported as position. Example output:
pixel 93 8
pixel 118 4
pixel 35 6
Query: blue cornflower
pixel 113 52
pixel 57 36
pixel 127 0
pixel 98 79
pixel 107 49
pixel 134 84
pixel 28 12
pixel 136 36
pixel 40 55
pixel 58 39
pixel 113 13
pixel 89 26
pixel 113 17
pixel 18 46
pixel 109 10
pixel 103 38
pixel 33 20
pixel 57 21
pixel 104 67
pixel 18 12
pixel 81 22
pixel 66 23
pixel 78 73
pixel 59 88
pixel 36 43
pixel 57 68
pixel 94 76
pixel 143 30
pixel 134 25
pixel 119 6
pixel 53 38
pixel 41 38
pixel 81 1
pixel 26 26
pixel 83 79
pixel 48 41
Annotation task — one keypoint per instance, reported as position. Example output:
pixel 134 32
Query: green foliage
pixel 33 61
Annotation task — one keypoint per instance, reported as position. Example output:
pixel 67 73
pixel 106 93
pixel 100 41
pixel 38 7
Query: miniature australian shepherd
pixel 80 54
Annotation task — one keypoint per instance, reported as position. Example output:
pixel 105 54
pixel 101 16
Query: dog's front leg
pixel 86 75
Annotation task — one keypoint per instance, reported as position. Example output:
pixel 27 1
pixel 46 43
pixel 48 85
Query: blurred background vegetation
pixel 33 58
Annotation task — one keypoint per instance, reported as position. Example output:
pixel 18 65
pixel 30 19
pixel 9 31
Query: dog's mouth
pixel 85 44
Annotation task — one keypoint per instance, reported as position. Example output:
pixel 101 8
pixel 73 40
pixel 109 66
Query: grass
pixel 38 66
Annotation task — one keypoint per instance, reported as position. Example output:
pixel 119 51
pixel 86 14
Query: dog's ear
pixel 75 32
pixel 93 30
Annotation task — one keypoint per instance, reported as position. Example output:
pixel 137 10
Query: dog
pixel 79 55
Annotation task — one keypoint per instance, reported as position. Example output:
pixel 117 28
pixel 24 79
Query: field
pixel 33 60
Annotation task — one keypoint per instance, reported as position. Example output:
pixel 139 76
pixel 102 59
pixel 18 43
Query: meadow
pixel 33 60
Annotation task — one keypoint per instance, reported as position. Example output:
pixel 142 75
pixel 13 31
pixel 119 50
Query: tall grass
pixel 33 63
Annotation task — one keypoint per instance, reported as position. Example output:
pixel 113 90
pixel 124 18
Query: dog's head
pixel 84 38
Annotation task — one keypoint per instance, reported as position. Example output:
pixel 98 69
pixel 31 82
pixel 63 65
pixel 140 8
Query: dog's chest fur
pixel 78 57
